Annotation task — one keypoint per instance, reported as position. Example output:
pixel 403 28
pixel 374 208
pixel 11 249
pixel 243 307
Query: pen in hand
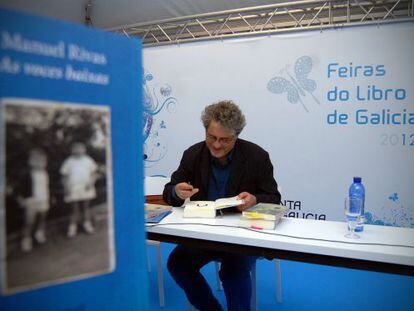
pixel 185 190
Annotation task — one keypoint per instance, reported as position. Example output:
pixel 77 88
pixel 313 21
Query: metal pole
pixel 289 30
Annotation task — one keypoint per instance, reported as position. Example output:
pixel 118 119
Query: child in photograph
pixel 79 173
pixel 35 200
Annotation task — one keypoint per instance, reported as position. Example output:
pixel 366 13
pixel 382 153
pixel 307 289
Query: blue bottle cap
pixel 357 179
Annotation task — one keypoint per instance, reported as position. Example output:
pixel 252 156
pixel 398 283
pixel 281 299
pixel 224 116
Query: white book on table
pixel 207 209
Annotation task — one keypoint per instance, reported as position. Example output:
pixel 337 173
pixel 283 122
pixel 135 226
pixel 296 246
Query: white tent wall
pixel 314 159
pixel 186 77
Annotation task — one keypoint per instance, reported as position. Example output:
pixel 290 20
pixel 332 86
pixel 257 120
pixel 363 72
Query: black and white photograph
pixel 57 209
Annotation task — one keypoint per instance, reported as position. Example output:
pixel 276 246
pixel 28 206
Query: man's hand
pixel 184 190
pixel 249 201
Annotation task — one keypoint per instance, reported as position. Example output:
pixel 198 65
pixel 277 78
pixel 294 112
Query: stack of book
pixel 262 216
pixel 154 213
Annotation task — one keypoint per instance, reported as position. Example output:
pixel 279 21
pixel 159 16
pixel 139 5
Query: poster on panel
pixel 58 185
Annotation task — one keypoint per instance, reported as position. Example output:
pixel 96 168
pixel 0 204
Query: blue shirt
pixel 219 176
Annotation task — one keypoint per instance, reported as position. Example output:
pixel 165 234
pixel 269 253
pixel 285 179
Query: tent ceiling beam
pixel 270 19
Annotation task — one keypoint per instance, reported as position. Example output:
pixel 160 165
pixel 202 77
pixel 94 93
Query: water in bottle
pixel 357 190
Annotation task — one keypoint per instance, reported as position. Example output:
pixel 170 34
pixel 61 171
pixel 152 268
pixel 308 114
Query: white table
pixel 306 240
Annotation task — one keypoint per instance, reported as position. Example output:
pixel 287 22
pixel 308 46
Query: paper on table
pixel 228 202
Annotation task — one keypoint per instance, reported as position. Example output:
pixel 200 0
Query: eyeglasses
pixel 222 140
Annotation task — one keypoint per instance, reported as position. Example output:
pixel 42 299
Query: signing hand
pixel 249 201
pixel 184 190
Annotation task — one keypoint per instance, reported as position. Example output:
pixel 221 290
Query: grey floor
pixel 60 257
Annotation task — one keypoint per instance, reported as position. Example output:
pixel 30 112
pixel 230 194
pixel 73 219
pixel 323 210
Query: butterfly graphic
pixel 295 87
pixel 393 197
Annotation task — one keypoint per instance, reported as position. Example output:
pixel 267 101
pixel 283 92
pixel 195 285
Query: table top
pixel 390 245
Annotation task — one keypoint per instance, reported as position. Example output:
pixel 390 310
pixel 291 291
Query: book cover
pixel 157 218
pixel 262 216
pixel 153 210
pixel 72 217
pixel 266 211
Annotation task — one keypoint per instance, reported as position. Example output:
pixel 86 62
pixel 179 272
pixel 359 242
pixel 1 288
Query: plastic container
pixel 357 190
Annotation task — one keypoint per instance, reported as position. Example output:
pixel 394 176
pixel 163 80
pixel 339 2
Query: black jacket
pixel 250 171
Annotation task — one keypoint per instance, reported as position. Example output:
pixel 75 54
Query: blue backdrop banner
pixel 72 224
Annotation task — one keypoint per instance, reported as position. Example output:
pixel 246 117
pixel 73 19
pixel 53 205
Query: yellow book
pixel 265 211
pixel 262 216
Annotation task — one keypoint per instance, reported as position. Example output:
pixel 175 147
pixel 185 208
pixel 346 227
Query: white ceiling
pixel 112 13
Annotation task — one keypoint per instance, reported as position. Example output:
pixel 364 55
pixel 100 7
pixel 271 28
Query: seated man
pixel 221 166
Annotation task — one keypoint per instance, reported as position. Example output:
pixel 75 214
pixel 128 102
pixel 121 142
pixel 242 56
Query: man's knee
pixel 236 269
pixel 178 263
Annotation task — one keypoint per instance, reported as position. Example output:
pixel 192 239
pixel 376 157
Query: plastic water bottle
pixel 357 190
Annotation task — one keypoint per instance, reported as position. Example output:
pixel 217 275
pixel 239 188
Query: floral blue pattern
pixel 157 98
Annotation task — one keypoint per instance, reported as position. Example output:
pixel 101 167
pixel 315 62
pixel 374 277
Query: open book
pixel 207 209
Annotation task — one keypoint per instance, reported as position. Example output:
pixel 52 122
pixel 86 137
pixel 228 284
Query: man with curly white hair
pixel 223 165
